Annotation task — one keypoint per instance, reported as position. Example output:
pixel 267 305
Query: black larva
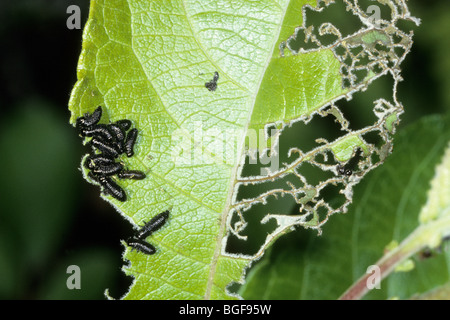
pixel 125 124
pixel 130 141
pixel 107 170
pixel 141 246
pixel 99 131
pixel 94 160
pixel 119 136
pixel 153 225
pixel 109 187
pixel 89 120
pixel 212 85
pixel 131 174
pixel 104 147
pixel 343 171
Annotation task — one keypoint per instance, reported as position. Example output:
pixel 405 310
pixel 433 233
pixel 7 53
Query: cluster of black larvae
pixel 108 142
pixel 138 242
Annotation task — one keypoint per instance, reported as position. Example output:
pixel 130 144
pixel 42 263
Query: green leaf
pixel 149 62
pixel 440 293
pixel 388 207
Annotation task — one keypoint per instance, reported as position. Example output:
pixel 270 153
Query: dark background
pixel 50 218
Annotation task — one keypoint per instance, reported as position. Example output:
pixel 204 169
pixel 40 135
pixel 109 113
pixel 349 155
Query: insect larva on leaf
pixel 108 142
pixel 107 170
pixel 125 124
pixel 94 160
pixel 153 225
pixel 118 134
pixel 141 246
pixel 100 131
pixel 109 187
pixel 104 147
pixel 130 141
pixel 131 174
pixel 89 120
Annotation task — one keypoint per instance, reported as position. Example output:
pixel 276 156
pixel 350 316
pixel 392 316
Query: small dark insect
pixel 118 135
pixel 89 120
pixel 117 130
pixel 99 130
pixel 109 187
pixel 153 225
pixel 425 254
pixel 107 170
pixel 106 148
pixel 129 142
pixel 351 165
pixel 131 174
pixel 343 171
pixel 125 124
pixel 95 160
pixel 212 85
pixel 141 246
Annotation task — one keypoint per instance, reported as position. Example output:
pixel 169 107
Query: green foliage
pixel 385 210
pixel 50 217
pixel 149 62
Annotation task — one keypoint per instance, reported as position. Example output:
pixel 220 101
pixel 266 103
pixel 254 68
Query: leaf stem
pixel 428 235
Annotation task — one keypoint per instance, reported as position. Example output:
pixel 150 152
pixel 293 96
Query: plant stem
pixel 421 237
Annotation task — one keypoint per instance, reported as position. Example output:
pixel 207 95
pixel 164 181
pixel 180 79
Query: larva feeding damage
pixel 108 142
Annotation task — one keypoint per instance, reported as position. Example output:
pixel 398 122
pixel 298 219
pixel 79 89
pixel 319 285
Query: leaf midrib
pixel 241 144
pixel 252 100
